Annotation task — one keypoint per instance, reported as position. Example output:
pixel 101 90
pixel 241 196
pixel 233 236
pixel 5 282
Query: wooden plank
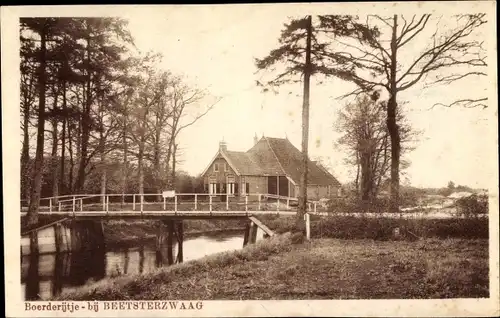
pixel 44 226
pixel 262 226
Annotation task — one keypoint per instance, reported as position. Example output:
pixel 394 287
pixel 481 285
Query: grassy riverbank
pixel 322 269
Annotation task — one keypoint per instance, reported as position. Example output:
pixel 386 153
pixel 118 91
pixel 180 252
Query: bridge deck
pixel 189 205
pixel 162 214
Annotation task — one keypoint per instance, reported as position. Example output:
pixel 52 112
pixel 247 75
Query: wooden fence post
pixel 133 202
pixel 308 226
pixel 195 202
pixel 175 203
pixel 210 203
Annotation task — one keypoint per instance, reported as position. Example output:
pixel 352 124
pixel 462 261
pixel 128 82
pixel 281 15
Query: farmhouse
pixel 271 166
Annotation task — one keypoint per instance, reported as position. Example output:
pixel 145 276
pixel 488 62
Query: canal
pixel 47 275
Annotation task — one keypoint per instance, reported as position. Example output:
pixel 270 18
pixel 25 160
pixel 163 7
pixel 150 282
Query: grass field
pixel 322 269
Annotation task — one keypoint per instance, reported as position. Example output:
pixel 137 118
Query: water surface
pixel 47 275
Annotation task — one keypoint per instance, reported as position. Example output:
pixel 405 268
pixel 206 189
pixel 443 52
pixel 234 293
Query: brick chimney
pixel 255 139
pixel 222 146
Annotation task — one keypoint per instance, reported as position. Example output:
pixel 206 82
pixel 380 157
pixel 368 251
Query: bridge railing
pixel 178 202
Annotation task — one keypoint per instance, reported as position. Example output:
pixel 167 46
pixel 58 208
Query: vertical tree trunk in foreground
pixel 38 170
pixel 300 225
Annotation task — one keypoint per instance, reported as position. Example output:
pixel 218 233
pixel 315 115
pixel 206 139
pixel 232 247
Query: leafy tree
pixel 452 54
pixel 303 52
pixel 41 30
pixel 366 139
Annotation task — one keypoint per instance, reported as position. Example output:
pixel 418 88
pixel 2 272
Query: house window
pixel 245 187
pixel 212 189
pixel 216 167
pixel 230 188
pixel 225 167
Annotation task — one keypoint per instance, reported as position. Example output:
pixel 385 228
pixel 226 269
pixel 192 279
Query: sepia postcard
pixel 239 160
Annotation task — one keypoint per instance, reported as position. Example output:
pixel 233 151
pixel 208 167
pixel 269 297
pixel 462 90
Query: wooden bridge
pixel 177 205
pixel 87 210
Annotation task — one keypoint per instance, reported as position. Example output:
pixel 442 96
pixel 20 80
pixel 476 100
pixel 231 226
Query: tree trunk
pixel 125 158
pixel 62 173
pixel 300 225
pixel 140 166
pixel 392 125
pixel 32 216
pixel 103 170
pixel 156 159
pixel 86 125
pixel 167 165
pixel 71 161
pixel 365 177
pixel 102 143
pixel 25 156
pixel 156 155
pixel 55 161
pixel 174 161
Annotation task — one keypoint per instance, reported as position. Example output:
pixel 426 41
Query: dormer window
pixel 216 167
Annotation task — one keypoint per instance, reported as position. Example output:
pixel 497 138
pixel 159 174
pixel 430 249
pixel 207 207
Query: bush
pixel 381 228
pixel 472 206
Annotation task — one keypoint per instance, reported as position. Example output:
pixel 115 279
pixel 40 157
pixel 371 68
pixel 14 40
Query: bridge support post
pixel 170 241
pixel 34 243
pixel 87 235
pixel 246 236
pixel 166 233
pixel 250 236
pixel 180 241
pixel 253 233
pixel 58 239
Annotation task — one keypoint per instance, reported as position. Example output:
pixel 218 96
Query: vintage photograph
pixel 237 152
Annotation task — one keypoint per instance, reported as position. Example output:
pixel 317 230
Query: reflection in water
pixel 48 275
pixel 33 286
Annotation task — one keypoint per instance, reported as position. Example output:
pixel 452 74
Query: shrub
pixel 472 206
pixel 381 228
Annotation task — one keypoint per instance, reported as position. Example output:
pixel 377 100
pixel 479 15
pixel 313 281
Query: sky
pixel 214 47
pixel 216 52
